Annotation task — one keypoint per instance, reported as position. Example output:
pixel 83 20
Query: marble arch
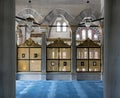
pixel 32 12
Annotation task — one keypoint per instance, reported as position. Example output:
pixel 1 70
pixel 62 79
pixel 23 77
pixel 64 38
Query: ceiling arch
pixel 87 13
pixel 52 15
pixel 29 11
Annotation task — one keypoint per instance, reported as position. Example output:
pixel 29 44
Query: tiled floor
pixel 59 89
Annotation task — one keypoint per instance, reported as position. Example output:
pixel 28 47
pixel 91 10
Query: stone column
pixel 102 40
pixel 7 49
pixel 43 77
pixel 112 49
pixel 73 56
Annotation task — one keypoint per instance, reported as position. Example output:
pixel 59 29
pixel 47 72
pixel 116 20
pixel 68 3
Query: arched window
pixel 78 36
pixel 61 26
pixel 64 28
pixel 90 34
pixel 93 33
pixel 83 34
pixel 95 37
pixel 58 26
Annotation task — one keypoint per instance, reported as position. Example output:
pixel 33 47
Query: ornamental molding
pixel 29 43
pixel 58 43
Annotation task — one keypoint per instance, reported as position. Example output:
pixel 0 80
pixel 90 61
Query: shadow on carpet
pixel 59 89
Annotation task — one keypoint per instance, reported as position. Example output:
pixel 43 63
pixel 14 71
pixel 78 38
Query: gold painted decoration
pixel 58 43
pixel 88 43
pixel 29 43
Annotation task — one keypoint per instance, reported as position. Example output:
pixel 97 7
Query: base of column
pixel 43 77
pixel 73 76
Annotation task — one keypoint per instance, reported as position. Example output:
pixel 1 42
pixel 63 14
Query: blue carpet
pixel 59 89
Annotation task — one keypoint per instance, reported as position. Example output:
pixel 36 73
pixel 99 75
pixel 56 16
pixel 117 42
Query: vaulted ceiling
pixel 73 7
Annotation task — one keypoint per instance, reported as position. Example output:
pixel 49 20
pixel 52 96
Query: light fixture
pixel 32 61
pixel 77 36
pixel 78 69
pixel 24 68
pixel 95 69
pixel 95 36
pixel 83 69
pixel 90 69
pixel 87 1
pixel 29 1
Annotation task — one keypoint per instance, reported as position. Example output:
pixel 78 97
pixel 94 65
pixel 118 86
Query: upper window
pixel 90 34
pixel 83 33
pixel 78 36
pixel 58 26
pixel 61 26
pixel 95 36
pixel 64 28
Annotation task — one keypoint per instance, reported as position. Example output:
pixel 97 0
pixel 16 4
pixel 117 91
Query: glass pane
pixel 23 53
pixel 64 28
pixel 85 54
pixel 52 53
pixel 94 65
pixel 82 53
pixel 82 65
pixel 91 53
pixel 52 65
pixel 64 65
pixel 97 53
pixel 58 26
pixel 90 34
pixel 95 37
pixel 83 34
pixel 64 53
pixel 23 65
pixel 35 53
pixel 79 54
pixel 94 53
pixel 78 36
pixel 35 65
